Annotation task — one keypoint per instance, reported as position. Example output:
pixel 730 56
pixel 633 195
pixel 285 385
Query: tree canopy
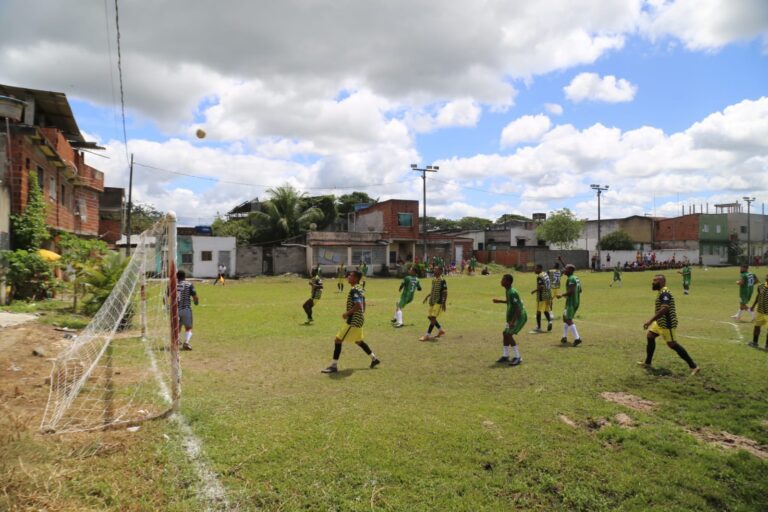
pixel 509 217
pixel 284 214
pixel 346 203
pixel 143 217
pixel 616 241
pixel 561 228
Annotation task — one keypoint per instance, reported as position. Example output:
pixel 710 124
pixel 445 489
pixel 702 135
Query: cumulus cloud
pixel 554 109
pixel 591 87
pixel 525 129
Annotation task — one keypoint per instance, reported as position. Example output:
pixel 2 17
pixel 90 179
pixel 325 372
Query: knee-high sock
pixel 538 319
pixel 683 355
pixel 565 330
pixel 336 352
pixel 399 316
pixel 650 348
pixel 575 332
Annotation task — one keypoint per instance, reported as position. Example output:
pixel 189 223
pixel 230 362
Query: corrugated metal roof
pixel 55 106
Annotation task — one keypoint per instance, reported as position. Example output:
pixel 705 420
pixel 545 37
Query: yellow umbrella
pixel 48 255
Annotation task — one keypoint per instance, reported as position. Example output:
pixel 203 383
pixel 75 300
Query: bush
pixel 29 275
pixel 99 282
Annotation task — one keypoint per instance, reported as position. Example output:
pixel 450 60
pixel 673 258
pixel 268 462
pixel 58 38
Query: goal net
pixel 123 368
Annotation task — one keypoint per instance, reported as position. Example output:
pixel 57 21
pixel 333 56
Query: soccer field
pixel 438 425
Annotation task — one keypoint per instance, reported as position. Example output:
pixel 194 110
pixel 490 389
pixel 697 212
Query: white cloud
pixel 463 112
pixel 554 109
pixel 525 129
pixel 590 87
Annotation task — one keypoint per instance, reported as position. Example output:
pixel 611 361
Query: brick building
pixel 45 145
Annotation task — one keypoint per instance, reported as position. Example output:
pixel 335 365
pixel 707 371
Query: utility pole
pixel 130 207
pixel 429 168
pixel 749 228
pixel 600 189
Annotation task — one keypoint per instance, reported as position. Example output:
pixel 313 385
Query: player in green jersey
pixel 407 289
pixel 616 275
pixel 746 284
pixel 573 296
pixel 516 318
pixel 686 273
pixel 316 282
pixel 352 328
pixel 761 302
pixel 663 323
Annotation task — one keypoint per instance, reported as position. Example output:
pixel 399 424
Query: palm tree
pixel 284 214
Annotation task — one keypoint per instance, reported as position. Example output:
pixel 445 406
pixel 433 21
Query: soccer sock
pixel 549 317
pixel 650 348
pixel 437 324
pixel 189 335
pixel 538 319
pixel 399 316
pixel 363 345
pixel 565 330
pixel 429 331
pixel 738 314
pixel 752 314
pixel 516 351
pixel 336 353
pixel 756 335
pixel 506 350
pixel 575 332
pixel 684 355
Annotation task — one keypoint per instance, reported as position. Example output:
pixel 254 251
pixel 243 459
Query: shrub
pixel 29 275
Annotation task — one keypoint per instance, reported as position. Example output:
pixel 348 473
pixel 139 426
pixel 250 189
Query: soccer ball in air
pixel 200 133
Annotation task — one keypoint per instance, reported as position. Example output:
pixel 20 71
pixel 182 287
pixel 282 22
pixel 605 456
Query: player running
pixel 185 296
pixel 761 302
pixel 516 318
pixel 364 272
pixel 407 290
pixel 616 275
pixel 341 275
pixel 316 282
pixel 572 295
pixel 686 273
pixel 746 284
pixel 663 323
pixel 438 297
pixel 352 329
pixel 543 298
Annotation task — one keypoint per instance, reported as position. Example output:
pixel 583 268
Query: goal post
pixel 124 367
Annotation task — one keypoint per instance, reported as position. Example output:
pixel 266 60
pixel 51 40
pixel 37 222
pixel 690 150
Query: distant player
pixel 573 296
pixel 352 329
pixel 364 271
pixel 316 282
pixel 543 293
pixel 554 281
pixel 186 295
pixel 516 318
pixel 341 276
pixel 761 302
pixel 616 275
pixel 407 290
pixel 222 272
pixel 438 298
pixel 663 323
pixel 746 284
pixel 686 273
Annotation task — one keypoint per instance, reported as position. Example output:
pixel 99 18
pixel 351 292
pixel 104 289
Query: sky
pixel 522 105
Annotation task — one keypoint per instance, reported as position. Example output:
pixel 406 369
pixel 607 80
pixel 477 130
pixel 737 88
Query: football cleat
pixel 577 342
pixel 564 340
pixel 330 369
pixel 503 359
pixel 516 361
pixel 440 333
pixel 375 362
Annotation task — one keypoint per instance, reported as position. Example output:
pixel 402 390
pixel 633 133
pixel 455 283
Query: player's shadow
pixel 657 371
pixel 342 374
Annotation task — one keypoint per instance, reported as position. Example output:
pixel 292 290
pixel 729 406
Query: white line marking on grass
pixel 736 328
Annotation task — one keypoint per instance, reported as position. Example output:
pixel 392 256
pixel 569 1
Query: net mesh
pixel 118 370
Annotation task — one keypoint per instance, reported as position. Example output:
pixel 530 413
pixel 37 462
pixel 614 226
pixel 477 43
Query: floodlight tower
pixel 600 189
pixel 429 168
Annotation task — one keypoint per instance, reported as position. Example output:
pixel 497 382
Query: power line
pixel 218 180
pixel 120 74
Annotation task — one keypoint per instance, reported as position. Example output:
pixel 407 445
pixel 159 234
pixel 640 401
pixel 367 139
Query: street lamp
pixel 600 189
pixel 749 228
pixel 429 168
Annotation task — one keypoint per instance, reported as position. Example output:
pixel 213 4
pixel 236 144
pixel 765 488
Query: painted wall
pixel 209 251
pixel 249 260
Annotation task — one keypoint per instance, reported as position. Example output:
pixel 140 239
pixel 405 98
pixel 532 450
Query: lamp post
pixel 429 168
pixel 749 228
pixel 600 189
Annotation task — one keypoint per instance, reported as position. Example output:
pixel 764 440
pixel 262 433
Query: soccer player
pixel 407 289
pixel 222 272
pixel 438 297
pixel 352 329
pixel 686 273
pixel 554 281
pixel 364 271
pixel 663 323
pixel 543 298
pixel 186 294
pixel 341 275
pixel 761 301
pixel 616 275
pixel 746 284
pixel 516 318
pixel 316 282
pixel 572 295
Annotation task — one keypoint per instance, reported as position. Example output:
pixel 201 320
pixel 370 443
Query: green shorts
pixel 517 327
pixel 570 313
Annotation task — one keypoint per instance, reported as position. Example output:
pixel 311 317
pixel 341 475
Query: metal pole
pixel 600 189
pixel 130 206
pixel 173 301
pixel 749 228
pixel 429 168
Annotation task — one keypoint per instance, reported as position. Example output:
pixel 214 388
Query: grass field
pixel 437 426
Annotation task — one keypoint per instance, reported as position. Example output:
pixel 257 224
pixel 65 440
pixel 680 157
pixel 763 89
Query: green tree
pixel 616 241
pixel 473 223
pixel 510 217
pixel 241 229
pixel 284 215
pixel 30 276
pixel 143 217
pixel 327 205
pixel 100 280
pixel 433 223
pixel 347 202
pixel 561 228
pixel 28 228
pixel 81 255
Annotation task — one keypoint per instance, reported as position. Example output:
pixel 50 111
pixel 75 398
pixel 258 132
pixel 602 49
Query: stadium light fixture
pixel 424 171
pixel 599 189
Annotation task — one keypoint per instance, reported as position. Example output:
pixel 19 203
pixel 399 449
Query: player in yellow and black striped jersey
pixel 543 293
pixel 664 323
pixel 354 319
pixel 438 298
pixel 761 316
pixel 316 282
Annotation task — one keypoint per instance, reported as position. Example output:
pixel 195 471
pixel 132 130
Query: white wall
pixel 215 244
pixel 661 255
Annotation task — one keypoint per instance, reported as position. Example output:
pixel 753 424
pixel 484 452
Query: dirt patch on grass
pixel 624 421
pixel 730 441
pixel 628 400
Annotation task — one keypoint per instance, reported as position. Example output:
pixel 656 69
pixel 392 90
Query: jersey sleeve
pixel 357 297
pixel 665 298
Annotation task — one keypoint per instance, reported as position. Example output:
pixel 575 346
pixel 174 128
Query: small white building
pixel 208 252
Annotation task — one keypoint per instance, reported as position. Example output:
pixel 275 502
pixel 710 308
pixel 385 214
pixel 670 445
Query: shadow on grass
pixel 342 374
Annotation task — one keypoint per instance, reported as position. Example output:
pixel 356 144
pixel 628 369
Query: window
pixel 717 228
pixel 40 176
pixel 743 229
pixel 186 258
pixel 206 255
pixel 405 220
pixel 52 187
pixel 81 211
pixel 705 228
